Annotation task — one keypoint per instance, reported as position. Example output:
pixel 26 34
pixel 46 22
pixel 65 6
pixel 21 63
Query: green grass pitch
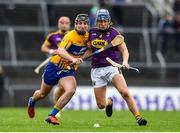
pixel 16 119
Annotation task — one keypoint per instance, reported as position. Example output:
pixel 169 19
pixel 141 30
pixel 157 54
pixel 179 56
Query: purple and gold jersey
pixel 101 39
pixel 75 45
pixel 54 38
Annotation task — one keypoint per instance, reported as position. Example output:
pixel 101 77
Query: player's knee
pixel 43 95
pixel 40 94
pixel 125 94
pixel 101 106
pixel 71 91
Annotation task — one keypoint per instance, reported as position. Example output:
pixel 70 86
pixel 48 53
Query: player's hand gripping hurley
pixel 114 64
pixel 116 41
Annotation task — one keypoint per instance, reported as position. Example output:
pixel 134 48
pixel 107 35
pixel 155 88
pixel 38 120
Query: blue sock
pixel 54 112
pixel 31 102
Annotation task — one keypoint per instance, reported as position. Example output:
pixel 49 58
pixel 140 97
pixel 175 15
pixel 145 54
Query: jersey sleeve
pixel 115 33
pixel 66 42
pixel 47 39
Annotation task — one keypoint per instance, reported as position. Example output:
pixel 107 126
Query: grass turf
pixel 16 119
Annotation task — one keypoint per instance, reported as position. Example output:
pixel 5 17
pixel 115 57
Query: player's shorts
pixel 101 76
pixel 53 73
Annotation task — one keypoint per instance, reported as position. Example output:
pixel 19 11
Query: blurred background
pixel 151 29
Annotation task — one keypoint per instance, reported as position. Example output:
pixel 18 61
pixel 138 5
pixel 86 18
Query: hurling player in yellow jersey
pixel 50 45
pixel 70 50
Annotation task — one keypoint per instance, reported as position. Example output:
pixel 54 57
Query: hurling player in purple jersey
pixel 52 40
pixel 102 72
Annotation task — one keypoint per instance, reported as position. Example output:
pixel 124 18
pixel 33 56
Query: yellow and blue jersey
pixel 75 45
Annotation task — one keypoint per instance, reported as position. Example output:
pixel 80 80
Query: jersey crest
pixel 99 43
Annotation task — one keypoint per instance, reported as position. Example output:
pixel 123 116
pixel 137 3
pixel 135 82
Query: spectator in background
pixel 177 33
pixel 115 8
pixel 92 15
pixel 176 6
pixel 166 30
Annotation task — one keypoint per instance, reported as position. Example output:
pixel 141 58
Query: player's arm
pixel 88 51
pixel 45 48
pixel 125 54
pixel 63 53
pixel 65 44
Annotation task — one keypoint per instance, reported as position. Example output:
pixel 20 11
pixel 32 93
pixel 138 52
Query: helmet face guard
pixel 103 14
pixel 82 17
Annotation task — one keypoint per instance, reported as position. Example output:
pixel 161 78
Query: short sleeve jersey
pixel 99 39
pixel 75 45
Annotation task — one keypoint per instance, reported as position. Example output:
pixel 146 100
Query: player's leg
pixel 100 95
pixel 102 101
pixel 58 92
pixel 38 94
pixel 99 85
pixel 69 85
pixel 119 82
